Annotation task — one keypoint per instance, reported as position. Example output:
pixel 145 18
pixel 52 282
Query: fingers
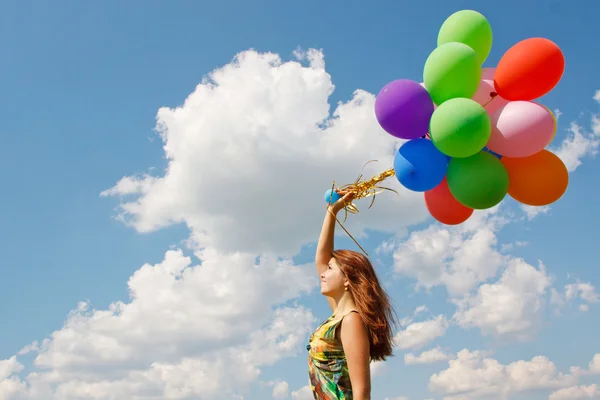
pixel 347 196
pixel 344 192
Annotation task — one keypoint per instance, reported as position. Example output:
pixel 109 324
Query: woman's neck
pixel 344 304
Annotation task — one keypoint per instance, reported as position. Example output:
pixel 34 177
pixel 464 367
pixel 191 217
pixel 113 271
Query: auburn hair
pixel 371 300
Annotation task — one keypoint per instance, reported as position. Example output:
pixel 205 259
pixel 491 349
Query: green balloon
pixel 468 27
pixel 460 127
pixel 479 181
pixel 452 70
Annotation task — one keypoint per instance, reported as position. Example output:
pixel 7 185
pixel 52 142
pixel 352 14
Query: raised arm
pixel 325 244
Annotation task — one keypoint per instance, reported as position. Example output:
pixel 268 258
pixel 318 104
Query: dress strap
pixel 349 312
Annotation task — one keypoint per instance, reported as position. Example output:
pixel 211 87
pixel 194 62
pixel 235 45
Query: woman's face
pixel 333 280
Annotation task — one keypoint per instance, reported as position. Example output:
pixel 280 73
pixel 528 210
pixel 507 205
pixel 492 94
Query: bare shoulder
pixel 353 324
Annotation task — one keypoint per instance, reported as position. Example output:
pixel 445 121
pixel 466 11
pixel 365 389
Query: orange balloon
pixel 537 180
pixel 529 69
pixel 444 207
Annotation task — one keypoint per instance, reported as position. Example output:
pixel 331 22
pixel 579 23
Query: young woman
pixel 360 329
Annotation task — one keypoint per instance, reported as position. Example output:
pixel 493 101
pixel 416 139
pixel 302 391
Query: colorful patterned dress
pixel 327 367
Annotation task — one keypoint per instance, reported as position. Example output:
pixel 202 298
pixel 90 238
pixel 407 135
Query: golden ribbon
pixel 361 189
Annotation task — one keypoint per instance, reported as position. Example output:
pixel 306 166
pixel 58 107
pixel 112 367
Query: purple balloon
pixel 404 108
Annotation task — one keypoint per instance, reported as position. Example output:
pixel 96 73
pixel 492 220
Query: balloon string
pixel 493 95
pixel 348 233
pixel 361 189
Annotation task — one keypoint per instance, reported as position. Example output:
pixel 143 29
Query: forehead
pixel 333 263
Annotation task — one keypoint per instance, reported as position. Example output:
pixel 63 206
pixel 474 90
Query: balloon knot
pixel 493 94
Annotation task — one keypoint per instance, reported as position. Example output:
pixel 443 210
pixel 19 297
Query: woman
pixel 360 329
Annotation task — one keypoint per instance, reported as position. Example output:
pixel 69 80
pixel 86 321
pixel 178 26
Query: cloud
pixel 583 292
pixel 472 375
pixel 457 257
pixel 427 357
pixel 189 330
pixel 11 386
pixel 251 152
pixel 534 211
pixel 280 390
pixel 580 142
pixel 419 334
pixel 513 306
pixel 304 393
pixel 592 369
pixel 576 393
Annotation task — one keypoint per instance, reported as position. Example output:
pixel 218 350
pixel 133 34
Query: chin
pixel 325 292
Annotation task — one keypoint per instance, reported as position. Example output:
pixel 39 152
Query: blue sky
pixel 81 85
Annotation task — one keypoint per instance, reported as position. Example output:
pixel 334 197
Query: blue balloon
pixel 331 196
pixel 419 165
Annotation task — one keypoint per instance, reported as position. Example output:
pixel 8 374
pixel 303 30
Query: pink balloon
pixel 483 95
pixel 488 73
pixel 521 129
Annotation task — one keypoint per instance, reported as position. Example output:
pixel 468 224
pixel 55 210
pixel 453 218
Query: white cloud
pixel 584 292
pixel 189 330
pixel 304 393
pixel 462 258
pixel 532 212
pixel 576 393
pixel 378 368
pixel 580 142
pixel 419 334
pixel 473 376
pixel 427 357
pixel 557 114
pixel 11 386
pixel 10 367
pixel 592 369
pixel 251 152
pixel 513 306
pixel 280 390
pixel 509 246
pixel 458 257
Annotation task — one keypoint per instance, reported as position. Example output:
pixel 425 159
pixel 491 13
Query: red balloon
pixel 444 207
pixel 529 69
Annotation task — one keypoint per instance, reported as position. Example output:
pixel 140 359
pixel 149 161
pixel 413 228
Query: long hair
pixel 371 300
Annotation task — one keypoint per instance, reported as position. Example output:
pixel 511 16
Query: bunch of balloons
pixel 474 134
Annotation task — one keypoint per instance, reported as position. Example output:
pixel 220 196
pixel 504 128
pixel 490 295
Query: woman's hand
pixel 347 197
